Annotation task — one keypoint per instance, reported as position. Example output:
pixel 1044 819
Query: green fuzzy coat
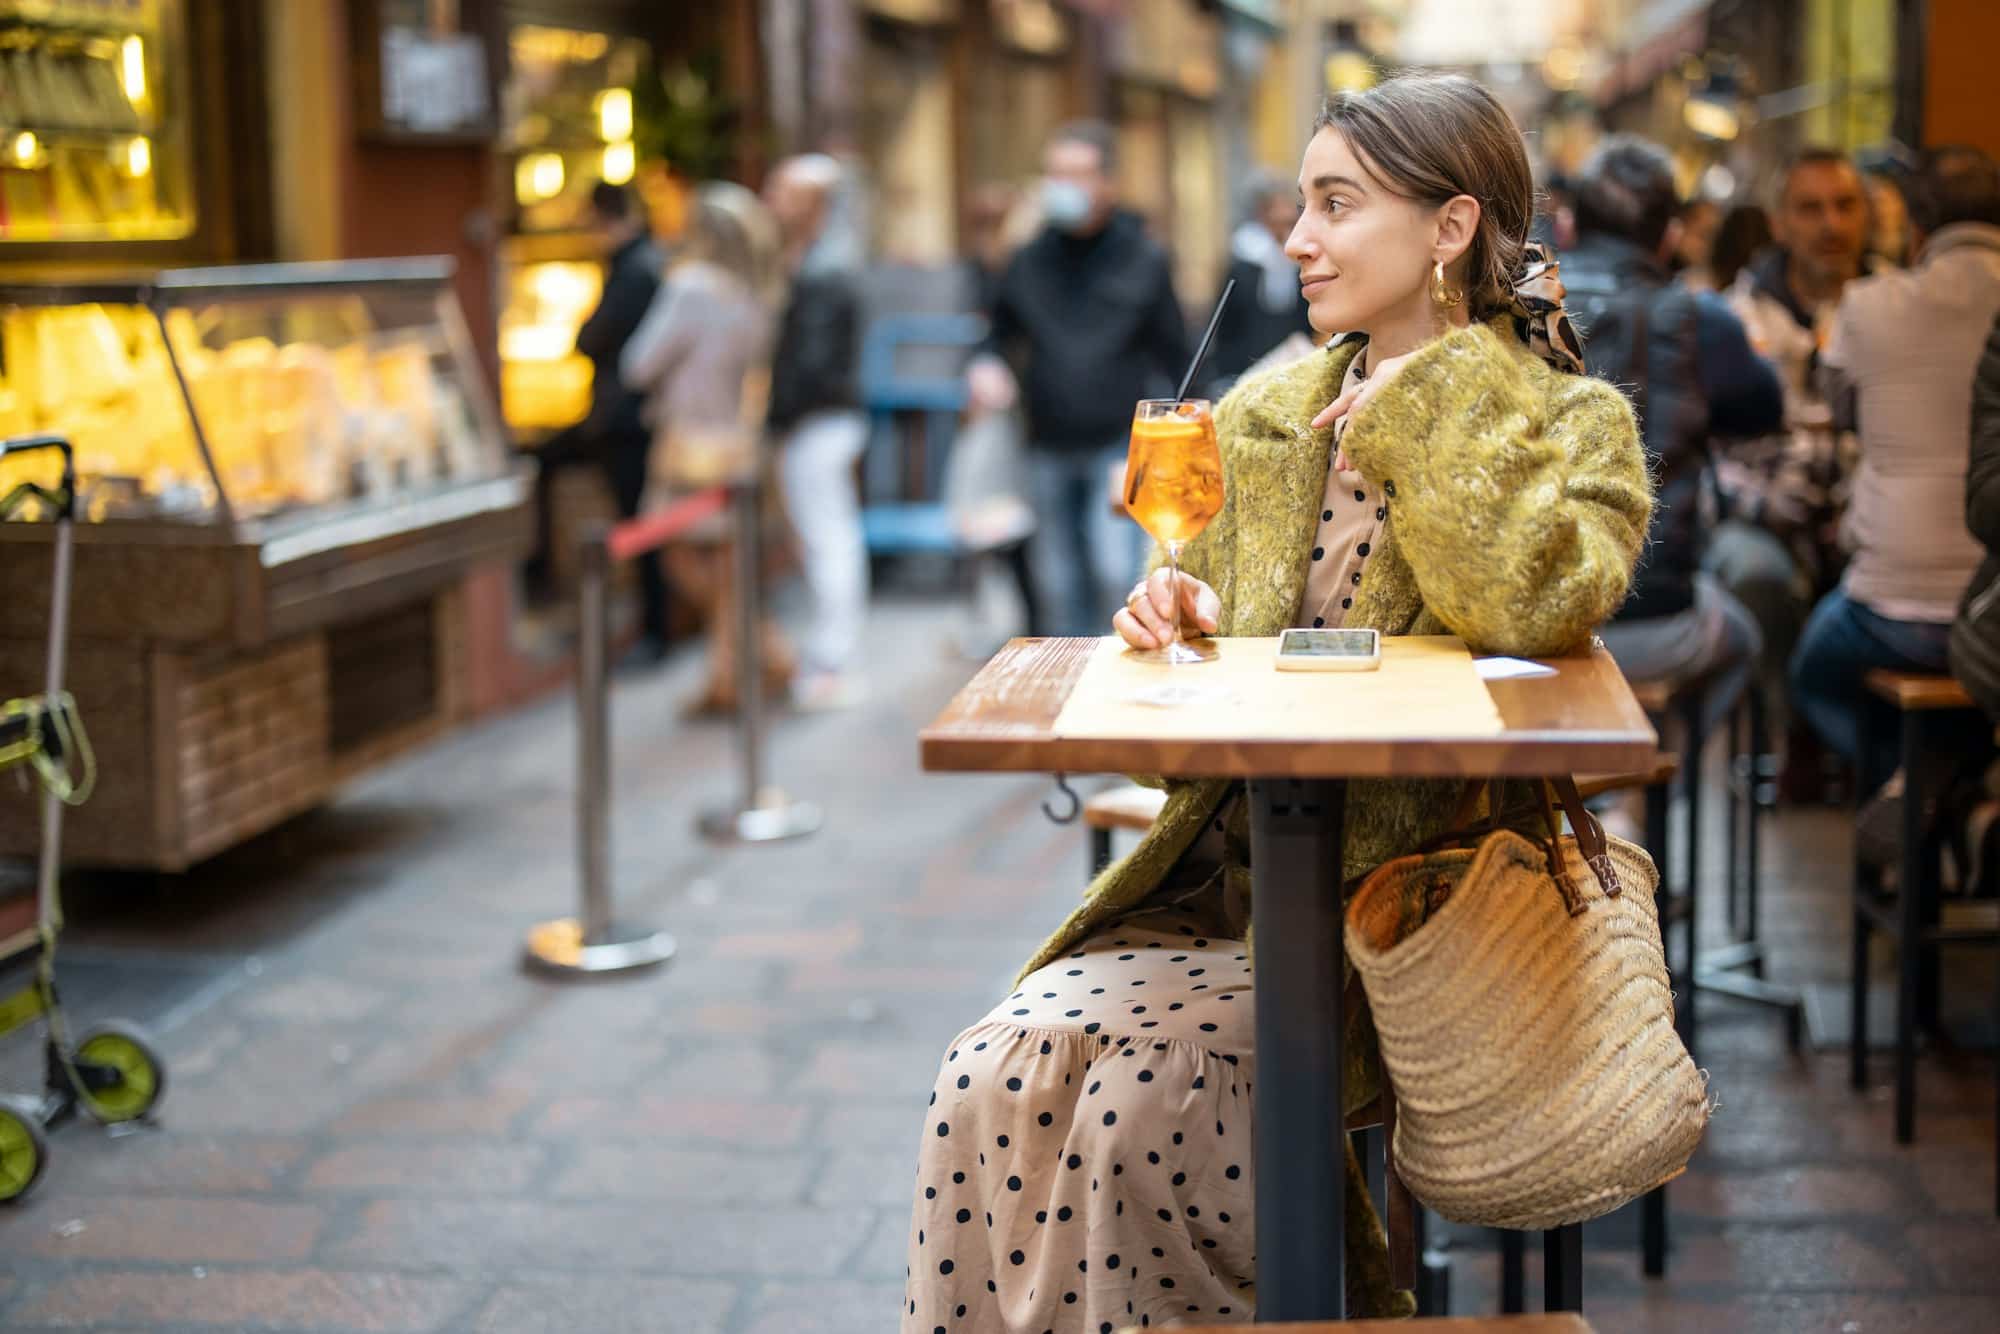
pixel 1518 503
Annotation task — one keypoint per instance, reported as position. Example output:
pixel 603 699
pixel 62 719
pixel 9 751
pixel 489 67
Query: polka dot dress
pixel 1086 1164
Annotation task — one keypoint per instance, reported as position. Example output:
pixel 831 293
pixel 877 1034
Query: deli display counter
pixel 286 475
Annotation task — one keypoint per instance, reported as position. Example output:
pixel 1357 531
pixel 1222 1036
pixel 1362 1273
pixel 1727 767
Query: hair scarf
pixel 1536 305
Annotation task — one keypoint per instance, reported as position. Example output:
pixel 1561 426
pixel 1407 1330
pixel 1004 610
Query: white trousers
pixel 816 470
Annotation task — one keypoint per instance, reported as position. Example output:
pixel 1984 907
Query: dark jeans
pixel 623 459
pixel 1842 643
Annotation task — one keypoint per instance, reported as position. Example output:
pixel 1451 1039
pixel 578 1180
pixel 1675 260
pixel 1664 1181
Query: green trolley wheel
pixel 141 1076
pixel 24 1151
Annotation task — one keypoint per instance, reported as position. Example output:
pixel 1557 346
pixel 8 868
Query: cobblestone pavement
pixel 378 1122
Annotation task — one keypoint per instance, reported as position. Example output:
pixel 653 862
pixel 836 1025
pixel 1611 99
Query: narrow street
pixel 378 1122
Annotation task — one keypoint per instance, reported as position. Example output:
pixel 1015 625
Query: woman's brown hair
pixel 1430 137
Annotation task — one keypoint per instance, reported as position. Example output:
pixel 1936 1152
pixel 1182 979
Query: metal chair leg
pixel 1653 1232
pixel 1691 748
pixel 1916 889
pixel 1513 1272
pixel 1562 1268
pixel 1100 851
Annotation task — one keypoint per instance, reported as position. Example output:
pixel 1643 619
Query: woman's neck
pixel 1402 331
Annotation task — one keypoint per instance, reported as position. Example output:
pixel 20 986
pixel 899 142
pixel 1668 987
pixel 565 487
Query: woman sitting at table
pixel 1443 468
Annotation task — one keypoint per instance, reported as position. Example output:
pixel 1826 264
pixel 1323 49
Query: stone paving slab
pixel 379 1122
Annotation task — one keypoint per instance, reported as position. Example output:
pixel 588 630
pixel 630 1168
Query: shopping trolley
pixel 112 1072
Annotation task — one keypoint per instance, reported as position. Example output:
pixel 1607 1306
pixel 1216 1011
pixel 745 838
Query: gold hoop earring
pixel 1442 292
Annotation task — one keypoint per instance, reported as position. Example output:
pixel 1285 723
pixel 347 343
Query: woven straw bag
pixel 1522 999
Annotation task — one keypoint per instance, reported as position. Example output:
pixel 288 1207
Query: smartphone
pixel 1329 651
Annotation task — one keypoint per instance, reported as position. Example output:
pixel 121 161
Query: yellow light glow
pixel 138 155
pixel 1562 68
pixel 25 149
pixel 619 162
pixel 614 115
pixel 548 175
pixel 1711 119
pixel 132 69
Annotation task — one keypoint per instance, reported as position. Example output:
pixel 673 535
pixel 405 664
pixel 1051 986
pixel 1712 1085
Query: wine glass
pixel 1173 487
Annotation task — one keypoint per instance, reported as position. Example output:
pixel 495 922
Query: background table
pixel 1581 719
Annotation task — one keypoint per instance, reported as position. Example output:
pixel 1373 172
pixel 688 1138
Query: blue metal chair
pixel 912 419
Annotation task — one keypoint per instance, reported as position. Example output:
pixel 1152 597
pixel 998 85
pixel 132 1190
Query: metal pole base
pixel 775 819
pixel 557 947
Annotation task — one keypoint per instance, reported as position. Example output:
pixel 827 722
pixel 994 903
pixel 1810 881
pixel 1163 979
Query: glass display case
pixel 291 476
pixel 263 394
pixel 94 121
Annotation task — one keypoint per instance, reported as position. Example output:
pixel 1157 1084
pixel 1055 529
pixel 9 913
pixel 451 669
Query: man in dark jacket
pixel 1683 359
pixel 1086 316
pixel 816 417
pixel 612 436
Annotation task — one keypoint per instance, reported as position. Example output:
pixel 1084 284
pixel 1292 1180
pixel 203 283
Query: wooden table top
pixel 1581 720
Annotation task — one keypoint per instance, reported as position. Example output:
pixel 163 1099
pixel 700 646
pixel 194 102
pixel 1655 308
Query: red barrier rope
pixel 649 531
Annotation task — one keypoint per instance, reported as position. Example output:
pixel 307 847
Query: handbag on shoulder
pixel 1521 995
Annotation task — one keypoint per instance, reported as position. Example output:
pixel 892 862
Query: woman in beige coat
pixel 1442 468
pixel 702 358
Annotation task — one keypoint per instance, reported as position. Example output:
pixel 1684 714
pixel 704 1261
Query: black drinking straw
pixel 1201 353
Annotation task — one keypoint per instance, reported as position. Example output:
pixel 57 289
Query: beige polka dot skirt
pixel 1086 1162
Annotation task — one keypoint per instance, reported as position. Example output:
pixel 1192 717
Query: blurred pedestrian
pixel 1742 234
pixel 614 435
pixel 1267 307
pixel 1684 361
pixel 816 413
pixel 1777 548
pixel 701 357
pixel 1975 636
pixel 1908 343
pixel 1699 220
pixel 1086 316
pixel 988 247
pixel 1889 171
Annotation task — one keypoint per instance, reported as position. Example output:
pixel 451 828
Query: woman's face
pixel 1363 253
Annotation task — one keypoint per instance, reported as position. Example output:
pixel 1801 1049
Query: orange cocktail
pixel 1173 487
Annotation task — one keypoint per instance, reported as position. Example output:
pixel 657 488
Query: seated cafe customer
pixel 1087 1159
pixel 1684 359
pixel 1906 343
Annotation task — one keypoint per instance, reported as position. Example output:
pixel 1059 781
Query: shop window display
pixel 93 121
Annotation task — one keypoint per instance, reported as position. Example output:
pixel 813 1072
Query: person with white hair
pixel 815 413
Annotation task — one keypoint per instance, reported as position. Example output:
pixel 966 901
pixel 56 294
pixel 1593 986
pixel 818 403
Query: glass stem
pixel 1174 584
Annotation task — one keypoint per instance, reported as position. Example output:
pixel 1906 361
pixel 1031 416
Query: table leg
pixel 1295 858
pixel 1562 1268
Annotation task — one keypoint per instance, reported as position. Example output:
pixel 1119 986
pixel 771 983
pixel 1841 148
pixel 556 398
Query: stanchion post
pixel 764 814
pixel 593 739
pixel 594 943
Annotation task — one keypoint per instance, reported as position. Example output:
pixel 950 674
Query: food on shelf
pixel 84 152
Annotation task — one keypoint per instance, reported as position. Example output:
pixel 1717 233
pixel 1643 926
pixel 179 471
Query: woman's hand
pixel 1357 398
pixel 1147 619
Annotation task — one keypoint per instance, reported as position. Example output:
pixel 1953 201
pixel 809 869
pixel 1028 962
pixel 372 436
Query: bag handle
pixel 1590 837
pixel 1591 844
